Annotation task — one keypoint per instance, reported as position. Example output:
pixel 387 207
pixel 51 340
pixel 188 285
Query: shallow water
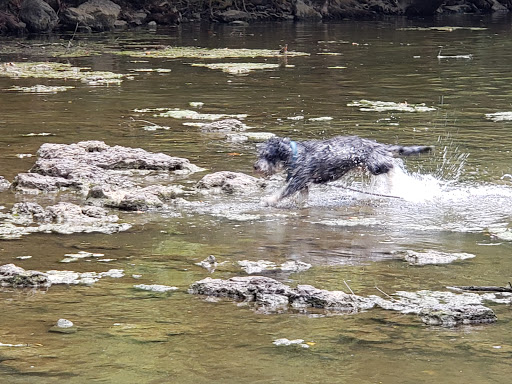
pixel 456 200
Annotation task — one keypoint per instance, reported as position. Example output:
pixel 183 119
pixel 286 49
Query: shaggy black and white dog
pixel 321 161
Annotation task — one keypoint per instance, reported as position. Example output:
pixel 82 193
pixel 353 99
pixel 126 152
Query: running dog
pixel 322 161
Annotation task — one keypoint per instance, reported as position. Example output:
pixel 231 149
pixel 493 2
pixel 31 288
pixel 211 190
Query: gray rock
pixel 110 176
pixel 66 218
pixel 273 295
pixel 230 183
pixel 226 125
pixel 12 275
pixel 260 266
pixel 445 309
pixel 210 263
pixel 64 326
pixel 94 15
pixel 38 16
pixel 233 15
pixel 305 11
pixel 434 308
pixel 434 257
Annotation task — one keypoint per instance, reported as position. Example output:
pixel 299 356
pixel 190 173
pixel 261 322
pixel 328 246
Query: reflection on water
pixel 455 200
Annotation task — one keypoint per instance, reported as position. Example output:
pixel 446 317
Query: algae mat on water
pixel 207 53
pixel 61 71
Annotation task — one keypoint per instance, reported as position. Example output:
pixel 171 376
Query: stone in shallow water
pixel 259 266
pixel 63 326
pixel 434 308
pixel 434 257
pixel 230 183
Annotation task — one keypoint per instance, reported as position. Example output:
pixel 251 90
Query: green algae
pixel 238 68
pixel 40 88
pixel 384 106
pixel 206 53
pixel 61 71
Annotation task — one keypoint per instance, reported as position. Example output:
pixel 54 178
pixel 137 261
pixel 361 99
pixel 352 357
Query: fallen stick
pixel 483 288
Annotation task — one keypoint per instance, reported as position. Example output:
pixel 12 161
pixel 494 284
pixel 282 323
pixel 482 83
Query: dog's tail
pixel 398 150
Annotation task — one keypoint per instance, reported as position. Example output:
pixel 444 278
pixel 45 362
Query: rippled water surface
pixel 456 200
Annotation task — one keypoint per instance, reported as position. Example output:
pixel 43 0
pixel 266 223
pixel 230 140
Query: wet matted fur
pixel 321 161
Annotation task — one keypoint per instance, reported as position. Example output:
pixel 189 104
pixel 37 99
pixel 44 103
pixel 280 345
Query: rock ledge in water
pixel 434 308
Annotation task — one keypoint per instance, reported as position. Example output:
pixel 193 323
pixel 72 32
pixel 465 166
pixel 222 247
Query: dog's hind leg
pixel 303 196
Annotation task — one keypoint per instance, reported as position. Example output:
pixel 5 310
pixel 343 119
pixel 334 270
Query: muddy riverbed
pixel 442 82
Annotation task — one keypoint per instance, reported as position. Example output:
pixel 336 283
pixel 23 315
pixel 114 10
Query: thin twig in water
pixel 351 291
pixel 145 121
pixel 384 293
pixel 70 42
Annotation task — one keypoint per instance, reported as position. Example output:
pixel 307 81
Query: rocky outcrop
pixel 93 15
pixel 110 176
pixel 64 218
pixel 17 277
pixel 268 295
pixel 14 276
pixel 274 295
pixel 38 16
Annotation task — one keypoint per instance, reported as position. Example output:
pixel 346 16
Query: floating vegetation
pixel 38 134
pixel 61 71
pixel 157 70
pixel 72 257
pixel 177 113
pixel 207 53
pixel 39 88
pixel 238 68
pixel 383 106
pixel 499 116
pixel 442 29
pixel 155 287
pixel 323 118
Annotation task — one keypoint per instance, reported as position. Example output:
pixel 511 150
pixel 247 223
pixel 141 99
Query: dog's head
pixel 273 156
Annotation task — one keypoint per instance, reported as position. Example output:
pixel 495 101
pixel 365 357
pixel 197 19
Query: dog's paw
pixel 270 201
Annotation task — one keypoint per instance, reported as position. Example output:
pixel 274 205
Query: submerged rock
pixel 230 183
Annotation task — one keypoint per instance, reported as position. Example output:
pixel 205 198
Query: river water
pixel 456 200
